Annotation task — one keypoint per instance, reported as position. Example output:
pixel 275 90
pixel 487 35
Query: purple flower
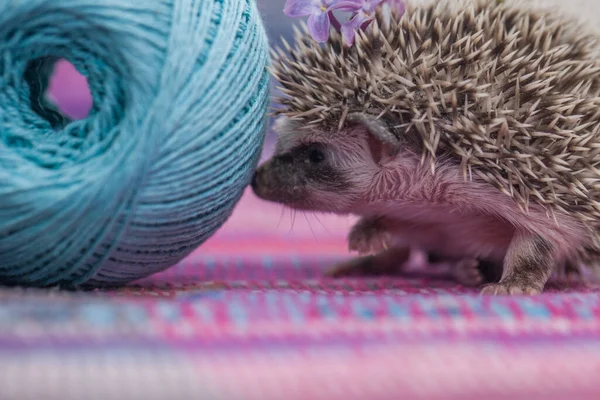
pixel 319 13
pixel 365 15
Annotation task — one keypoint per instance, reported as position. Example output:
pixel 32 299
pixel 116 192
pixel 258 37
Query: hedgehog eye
pixel 286 158
pixel 316 156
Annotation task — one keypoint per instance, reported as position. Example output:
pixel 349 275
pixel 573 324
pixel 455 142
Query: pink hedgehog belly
pixel 454 234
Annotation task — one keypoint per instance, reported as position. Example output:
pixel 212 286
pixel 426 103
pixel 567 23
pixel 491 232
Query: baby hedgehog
pixel 467 129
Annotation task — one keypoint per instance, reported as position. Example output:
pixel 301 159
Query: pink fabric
pixel 249 316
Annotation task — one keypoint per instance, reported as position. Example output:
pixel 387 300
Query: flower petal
pixel 318 26
pixel 298 8
pixel 349 28
pixel 348 34
pixel 347 5
pixel 366 23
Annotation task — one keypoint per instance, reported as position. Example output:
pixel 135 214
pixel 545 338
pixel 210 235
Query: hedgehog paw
pixel 368 237
pixel 466 272
pixel 509 287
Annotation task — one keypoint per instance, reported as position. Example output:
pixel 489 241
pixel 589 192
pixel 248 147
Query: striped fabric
pixel 249 316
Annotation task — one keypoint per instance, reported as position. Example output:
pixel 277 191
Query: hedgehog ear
pixel 287 130
pixel 384 145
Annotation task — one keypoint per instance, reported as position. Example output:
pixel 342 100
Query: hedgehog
pixel 469 130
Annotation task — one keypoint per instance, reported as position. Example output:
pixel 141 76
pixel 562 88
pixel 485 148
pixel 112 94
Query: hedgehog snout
pixel 254 182
pixel 257 183
pixel 273 181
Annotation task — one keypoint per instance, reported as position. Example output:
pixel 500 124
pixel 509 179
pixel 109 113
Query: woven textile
pixel 248 316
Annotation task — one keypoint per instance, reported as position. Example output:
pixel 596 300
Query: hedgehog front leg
pixel 528 264
pixel 372 238
pixel 370 235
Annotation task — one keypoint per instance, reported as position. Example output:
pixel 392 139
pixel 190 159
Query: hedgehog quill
pixel 469 130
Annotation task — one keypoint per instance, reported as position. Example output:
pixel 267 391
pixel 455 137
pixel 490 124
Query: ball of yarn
pixel 180 93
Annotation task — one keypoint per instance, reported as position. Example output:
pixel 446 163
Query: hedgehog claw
pixel 509 288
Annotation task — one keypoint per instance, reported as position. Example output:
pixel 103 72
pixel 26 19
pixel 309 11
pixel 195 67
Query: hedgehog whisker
pixel 281 216
pixel 293 222
pixel 309 225
pixel 321 223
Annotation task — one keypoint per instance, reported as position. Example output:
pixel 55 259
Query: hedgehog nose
pixel 254 181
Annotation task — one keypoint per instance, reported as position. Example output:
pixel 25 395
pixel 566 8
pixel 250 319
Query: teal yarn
pixel 180 92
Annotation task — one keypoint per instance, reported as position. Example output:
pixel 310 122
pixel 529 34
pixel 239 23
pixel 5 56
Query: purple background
pixel 68 89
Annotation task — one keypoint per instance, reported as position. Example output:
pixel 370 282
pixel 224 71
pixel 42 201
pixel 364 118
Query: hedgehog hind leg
pixel 386 262
pixel 528 264
pixel 473 272
pixel 467 273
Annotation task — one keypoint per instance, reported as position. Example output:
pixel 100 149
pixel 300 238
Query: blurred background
pixel 69 88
